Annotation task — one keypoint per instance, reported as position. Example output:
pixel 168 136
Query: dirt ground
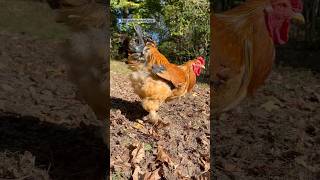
pixel 41 116
pixel 274 135
pixel 179 150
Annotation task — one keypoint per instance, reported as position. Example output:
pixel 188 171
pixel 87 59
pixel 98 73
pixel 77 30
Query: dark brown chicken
pixel 243 48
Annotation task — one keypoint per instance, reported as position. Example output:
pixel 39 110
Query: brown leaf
pixel 118 163
pixel 231 167
pixel 203 140
pixel 163 156
pixel 270 106
pixel 204 176
pixel 205 165
pixel 152 175
pixel 181 176
pixel 136 172
pixel 154 134
pixel 138 154
pixel 138 126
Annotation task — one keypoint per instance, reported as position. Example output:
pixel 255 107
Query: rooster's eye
pixel 283 5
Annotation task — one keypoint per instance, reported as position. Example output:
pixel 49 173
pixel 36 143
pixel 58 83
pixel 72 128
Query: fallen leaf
pixel 140 121
pixel 204 176
pixel 181 176
pixel 154 134
pixel 163 156
pixel 270 106
pixel 138 126
pixel 138 154
pixel 162 123
pixel 302 162
pixel 119 163
pixel 154 175
pixel 136 172
pixel 231 167
pixel 203 140
pixel 205 165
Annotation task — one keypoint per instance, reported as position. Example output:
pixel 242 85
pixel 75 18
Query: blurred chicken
pixel 80 15
pixel 243 47
pixel 157 80
pixel 85 52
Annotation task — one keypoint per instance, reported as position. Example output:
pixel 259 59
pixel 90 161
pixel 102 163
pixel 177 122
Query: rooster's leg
pixel 153 117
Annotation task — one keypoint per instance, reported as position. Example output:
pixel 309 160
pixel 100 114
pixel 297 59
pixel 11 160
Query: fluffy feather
pixel 243 48
pixel 85 50
pixel 156 85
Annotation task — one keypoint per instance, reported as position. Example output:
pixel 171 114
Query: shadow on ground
pixel 132 110
pixel 69 153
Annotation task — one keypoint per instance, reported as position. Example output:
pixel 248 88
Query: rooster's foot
pixel 153 117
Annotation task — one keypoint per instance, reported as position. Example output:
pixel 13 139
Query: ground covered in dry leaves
pixel 45 130
pixel 274 135
pixel 139 149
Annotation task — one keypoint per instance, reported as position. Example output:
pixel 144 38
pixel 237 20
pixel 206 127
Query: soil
pixel 40 114
pixel 185 140
pixel 275 134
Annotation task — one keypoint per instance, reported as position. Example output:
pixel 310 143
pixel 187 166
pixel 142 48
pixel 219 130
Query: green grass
pixel 203 85
pixel 33 18
pixel 119 67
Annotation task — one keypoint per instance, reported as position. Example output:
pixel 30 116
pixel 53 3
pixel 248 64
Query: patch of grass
pixel 117 176
pixel 30 17
pixel 203 85
pixel 148 147
pixel 119 67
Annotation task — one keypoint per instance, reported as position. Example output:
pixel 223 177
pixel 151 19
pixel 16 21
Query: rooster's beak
pixel 298 18
pixel 203 67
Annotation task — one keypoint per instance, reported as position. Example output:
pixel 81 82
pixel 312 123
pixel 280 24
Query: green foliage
pixel 168 48
pixel 189 26
pixel 183 27
pixel 124 4
pixel 148 147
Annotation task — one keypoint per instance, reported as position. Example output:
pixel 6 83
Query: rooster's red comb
pixel 201 59
pixel 297 5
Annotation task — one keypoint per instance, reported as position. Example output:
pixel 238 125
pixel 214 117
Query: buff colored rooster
pixel 85 50
pixel 85 53
pixel 157 80
pixel 243 47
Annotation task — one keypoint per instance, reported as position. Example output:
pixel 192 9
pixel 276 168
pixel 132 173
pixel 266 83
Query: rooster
pixel 85 50
pixel 243 47
pixel 85 53
pixel 158 81
pixel 80 15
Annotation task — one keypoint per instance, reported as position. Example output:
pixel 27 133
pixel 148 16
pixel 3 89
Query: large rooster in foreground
pixel 158 80
pixel 86 49
pixel 243 47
